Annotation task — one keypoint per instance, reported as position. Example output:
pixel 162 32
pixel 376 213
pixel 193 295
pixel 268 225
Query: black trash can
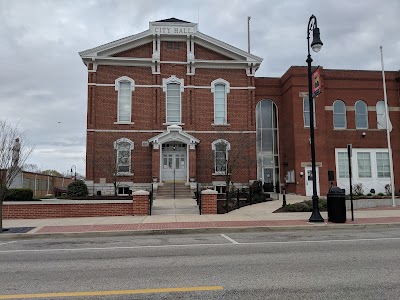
pixel 336 203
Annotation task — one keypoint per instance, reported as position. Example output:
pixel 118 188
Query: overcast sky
pixel 43 82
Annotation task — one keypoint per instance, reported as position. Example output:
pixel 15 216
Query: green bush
pixel 19 195
pixel 77 189
pixel 305 206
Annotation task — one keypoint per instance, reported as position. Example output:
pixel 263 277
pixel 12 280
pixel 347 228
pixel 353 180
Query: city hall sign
pixel 171 29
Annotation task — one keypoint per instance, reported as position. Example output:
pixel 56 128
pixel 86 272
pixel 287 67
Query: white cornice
pixel 101 53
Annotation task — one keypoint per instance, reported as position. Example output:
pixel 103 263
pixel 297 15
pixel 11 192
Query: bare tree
pixel 13 154
pixel 232 153
pixel 115 164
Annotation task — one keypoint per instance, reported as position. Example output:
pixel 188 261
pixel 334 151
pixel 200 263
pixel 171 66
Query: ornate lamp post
pixel 73 166
pixel 316 45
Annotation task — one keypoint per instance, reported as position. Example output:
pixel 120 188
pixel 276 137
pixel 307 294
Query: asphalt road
pixel 328 264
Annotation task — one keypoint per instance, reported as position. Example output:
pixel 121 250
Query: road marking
pixel 229 239
pixel 196 245
pixel 115 292
pixel 8 243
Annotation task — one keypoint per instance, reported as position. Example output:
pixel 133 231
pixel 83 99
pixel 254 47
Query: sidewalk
pixel 250 217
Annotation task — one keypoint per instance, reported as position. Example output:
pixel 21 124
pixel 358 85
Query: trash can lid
pixel 335 190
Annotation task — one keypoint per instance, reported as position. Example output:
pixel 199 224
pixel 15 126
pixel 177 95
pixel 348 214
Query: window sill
pixel 220 124
pixel 125 174
pixel 124 123
pixel 219 174
pixel 179 124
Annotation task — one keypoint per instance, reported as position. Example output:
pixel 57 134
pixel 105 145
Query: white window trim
pixel 345 115
pixel 213 147
pixel 117 87
pixel 315 119
pixel 131 148
pixel 227 91
pixel 165 82
pixel 355 114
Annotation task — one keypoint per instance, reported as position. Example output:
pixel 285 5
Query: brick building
pixel 41 184
pixel 172 103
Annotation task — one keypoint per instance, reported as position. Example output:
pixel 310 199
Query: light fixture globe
pixel 316 44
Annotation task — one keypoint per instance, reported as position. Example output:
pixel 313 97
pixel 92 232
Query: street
pixel 325 264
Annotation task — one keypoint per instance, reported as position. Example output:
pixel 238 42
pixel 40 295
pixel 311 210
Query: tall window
pixel 306 112
pixel 173 103
pixel 343 164
pixel 220 88
pixel 219 104
pixel 364 164
pixel 361 115
pixel 339 115
pixel 381 115
pixel 267 142
pixel 220 148
pixel 123 149
pixel 124 85
pixel 382 164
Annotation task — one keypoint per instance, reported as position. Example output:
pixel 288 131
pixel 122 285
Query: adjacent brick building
pixel 173 103
pixel 41 184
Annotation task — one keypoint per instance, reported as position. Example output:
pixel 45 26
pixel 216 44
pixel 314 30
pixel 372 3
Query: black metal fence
pixel 236 199
pixel 151 195
pixel 198 197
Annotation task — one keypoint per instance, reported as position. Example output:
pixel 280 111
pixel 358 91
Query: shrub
pixel 19 195
pixel 358 189
pixel 77 189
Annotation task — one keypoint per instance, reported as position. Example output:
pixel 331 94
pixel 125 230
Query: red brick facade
pixel 150 59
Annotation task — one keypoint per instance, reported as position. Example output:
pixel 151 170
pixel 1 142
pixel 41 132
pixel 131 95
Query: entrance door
pixel 269 179
pixel 174 164
pixel 309 181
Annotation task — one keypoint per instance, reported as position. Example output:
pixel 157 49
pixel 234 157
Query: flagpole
pixel 388 132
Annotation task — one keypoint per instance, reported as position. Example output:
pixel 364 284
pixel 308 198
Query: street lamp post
pixel 316 45
pixel 73 166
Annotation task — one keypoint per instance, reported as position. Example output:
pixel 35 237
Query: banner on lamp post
pixel 316 83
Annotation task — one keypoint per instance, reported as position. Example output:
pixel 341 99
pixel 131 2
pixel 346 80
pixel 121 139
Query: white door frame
pixel 309 183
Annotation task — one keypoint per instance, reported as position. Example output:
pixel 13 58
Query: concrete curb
pixel 19 236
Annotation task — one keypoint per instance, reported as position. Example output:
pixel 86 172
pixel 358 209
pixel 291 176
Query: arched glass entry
pixel 267 144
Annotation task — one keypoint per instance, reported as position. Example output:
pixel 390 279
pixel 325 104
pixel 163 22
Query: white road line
pixel 8 243
pixel 197 245
pixel 229 239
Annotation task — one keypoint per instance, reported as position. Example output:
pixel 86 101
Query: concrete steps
pixel 166 191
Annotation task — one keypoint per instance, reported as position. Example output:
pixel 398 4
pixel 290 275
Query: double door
pixel 174 166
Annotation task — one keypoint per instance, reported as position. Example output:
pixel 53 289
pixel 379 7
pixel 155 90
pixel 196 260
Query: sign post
pixel 349 154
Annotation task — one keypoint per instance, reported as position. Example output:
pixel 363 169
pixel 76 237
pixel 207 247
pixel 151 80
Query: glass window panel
pixel 267 140
pixel 364 164
pixel 343 165
pixel 382 164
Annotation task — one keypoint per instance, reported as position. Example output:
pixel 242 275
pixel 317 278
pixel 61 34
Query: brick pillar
pixel 192 163
pixel 140 203
pixel 209 202
pixel 155 166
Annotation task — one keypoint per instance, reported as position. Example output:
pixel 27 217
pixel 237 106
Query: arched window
pixel 220 88
pixel 124 85
pixel 173 87
pixel 267 143
pixel 123 149
pixel 220 148
pixel 339 115
pixel 361 115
